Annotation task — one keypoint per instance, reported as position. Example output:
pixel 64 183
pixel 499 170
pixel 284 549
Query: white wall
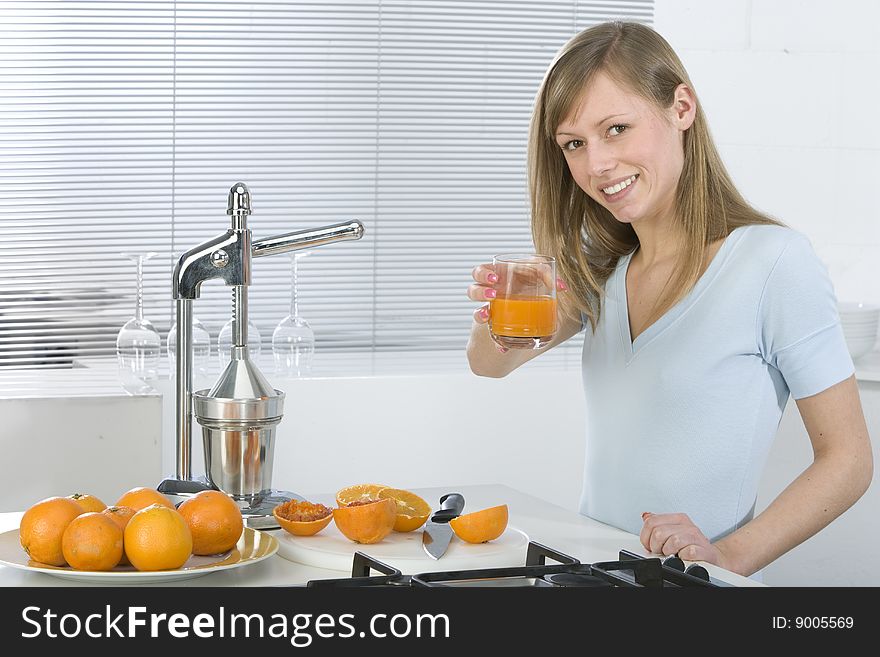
pixel 103 446
pixel 790 90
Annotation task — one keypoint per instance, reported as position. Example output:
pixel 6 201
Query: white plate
pixel 403 550
pixel 252 547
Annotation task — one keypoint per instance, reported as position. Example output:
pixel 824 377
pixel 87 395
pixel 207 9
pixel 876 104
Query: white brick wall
pixel 790 88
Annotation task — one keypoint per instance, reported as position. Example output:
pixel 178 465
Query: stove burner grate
pixel 631 570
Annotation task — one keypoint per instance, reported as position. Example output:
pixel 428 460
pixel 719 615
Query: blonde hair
pixel 584 237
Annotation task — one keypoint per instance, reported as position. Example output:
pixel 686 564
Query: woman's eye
pixel 572 145
pixel 616 129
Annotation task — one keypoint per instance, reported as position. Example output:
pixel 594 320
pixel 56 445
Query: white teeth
pixel 616 188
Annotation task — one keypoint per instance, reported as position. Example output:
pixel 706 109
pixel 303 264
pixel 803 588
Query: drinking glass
pixel 293 340
pixel 523 314
pixel 138 344
pixel 224 342
pixel 201 347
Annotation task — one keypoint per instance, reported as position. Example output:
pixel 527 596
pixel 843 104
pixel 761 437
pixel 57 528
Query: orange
pixel 142 497
pixel 412 510
pixel 42 527
pixel 302 518
pixel 367 521
pixel 358 493
pixel 481 526
pixel 88 502
pixel 214 520
pixel 120 515
pixel 157 538
pixel 92 541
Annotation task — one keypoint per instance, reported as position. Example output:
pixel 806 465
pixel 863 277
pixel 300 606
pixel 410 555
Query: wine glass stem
pixel 294 267
pixel 139 298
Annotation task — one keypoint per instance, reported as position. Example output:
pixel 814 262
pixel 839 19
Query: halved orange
pixel 366 521
pixel 412 510
pixel 302 518
pixel 481 526
pixel 358 493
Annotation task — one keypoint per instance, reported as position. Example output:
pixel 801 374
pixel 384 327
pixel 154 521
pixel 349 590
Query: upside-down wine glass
pixel 201 348
pixel 293 341
pixel 138 344
pixel 224 343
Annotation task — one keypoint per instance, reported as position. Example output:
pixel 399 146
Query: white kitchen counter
pixel 551 525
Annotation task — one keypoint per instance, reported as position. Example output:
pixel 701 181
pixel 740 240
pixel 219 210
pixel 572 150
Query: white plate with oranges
pixel 252 547
pixel 141 538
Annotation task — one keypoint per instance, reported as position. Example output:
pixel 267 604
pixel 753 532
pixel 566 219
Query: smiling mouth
pixel 620 187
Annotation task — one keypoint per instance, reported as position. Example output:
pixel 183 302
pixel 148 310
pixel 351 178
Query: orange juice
pixel 521 316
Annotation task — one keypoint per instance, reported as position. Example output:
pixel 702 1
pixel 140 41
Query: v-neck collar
pixel 632 347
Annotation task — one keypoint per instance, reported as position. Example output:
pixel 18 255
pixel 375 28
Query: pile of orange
pixel 143 528
pixel 367 513
pixel 364 513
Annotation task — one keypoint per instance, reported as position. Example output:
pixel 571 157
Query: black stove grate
pixel 631 570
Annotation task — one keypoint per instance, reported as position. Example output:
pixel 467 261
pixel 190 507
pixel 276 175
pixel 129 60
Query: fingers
pixel 482 289
pixel 484 274
pixel 481 315
pixel 478 292
pixel 670 533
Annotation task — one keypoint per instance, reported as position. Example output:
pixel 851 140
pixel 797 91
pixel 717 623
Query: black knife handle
pixel 451 506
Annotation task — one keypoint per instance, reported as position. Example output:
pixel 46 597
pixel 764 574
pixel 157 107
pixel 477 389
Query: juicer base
pixel 257 511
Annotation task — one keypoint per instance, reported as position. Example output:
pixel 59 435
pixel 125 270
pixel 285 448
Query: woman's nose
pixel 600 160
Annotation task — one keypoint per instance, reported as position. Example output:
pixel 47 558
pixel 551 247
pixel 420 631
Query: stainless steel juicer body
pixel 239 414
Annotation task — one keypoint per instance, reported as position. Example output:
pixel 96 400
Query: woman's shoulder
pixel 768 242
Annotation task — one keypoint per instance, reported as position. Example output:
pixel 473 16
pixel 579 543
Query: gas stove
pixel 630 570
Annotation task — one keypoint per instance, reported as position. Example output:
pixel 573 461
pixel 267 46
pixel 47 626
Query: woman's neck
pixel 659 242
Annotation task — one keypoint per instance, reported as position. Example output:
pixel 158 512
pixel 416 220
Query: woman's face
pixel 625 153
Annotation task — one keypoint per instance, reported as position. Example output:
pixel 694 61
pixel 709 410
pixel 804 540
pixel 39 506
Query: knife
pixel 438 533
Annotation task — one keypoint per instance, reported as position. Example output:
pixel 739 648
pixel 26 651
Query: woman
pixel 701 314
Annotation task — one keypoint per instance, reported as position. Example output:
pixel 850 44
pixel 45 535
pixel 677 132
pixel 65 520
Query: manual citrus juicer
pixel 240 413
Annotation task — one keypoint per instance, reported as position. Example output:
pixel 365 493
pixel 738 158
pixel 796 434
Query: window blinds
pixel 124 124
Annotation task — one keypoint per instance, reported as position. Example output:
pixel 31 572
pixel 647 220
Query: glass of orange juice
pixel 523 313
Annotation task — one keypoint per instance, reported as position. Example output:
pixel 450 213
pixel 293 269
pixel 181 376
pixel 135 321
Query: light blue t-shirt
pixel 681 420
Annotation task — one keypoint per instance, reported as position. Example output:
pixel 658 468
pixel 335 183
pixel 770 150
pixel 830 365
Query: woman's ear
pixel 684 107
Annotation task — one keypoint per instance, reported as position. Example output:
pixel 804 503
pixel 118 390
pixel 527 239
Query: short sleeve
pixel 799 331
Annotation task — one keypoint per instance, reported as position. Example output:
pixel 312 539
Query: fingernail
pixel 493 278
pixel 484 312
pixel 561 284
pixel 490 293
pixel 503 350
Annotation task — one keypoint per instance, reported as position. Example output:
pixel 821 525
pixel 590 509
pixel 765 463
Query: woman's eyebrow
pixel 610 116
pixel 598 123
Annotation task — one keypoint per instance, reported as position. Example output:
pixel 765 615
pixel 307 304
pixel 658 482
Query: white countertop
pixel 545 523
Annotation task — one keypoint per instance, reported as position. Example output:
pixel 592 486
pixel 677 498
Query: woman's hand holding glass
pixel 521 291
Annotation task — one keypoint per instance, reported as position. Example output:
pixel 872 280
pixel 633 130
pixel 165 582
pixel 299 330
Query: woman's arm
pixel 486 359
pixel 841 472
